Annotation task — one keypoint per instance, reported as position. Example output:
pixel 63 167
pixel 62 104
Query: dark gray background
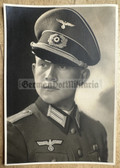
pixel 20 32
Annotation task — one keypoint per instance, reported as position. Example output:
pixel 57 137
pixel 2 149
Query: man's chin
pixel 49 100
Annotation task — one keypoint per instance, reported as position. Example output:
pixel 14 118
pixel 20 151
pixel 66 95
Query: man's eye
pixel 43 65
pixel 62 67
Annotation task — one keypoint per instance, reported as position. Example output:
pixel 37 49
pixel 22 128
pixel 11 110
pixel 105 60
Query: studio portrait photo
pixel 60 84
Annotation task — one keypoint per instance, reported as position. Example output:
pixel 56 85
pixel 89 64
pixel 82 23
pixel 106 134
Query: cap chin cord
pixel 65 55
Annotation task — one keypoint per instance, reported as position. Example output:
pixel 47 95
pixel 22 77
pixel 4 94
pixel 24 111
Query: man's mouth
pixel 50 87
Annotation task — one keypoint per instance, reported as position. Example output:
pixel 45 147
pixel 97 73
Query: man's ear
pixel 85 73
pixel 33 68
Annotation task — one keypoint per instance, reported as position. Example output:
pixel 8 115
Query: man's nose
pixel 50 74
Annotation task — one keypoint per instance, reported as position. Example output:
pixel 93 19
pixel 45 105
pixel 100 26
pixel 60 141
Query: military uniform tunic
pixel 36 136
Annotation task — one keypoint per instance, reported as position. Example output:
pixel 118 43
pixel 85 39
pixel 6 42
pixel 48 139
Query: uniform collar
pixel 57 116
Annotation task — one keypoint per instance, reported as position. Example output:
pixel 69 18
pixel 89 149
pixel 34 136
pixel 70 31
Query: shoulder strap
pixel 24 113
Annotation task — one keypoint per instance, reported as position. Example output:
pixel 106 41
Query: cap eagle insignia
pixel 64 23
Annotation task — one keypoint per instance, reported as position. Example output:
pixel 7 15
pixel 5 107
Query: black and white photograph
pixel 60 84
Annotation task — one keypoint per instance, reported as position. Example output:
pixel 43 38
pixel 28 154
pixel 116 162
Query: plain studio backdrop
pixel 96 97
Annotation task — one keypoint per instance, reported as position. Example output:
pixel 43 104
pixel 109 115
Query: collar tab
pixel 62 118
pixel 57 116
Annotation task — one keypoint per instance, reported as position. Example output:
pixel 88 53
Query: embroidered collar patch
pixel 60 118
pixel 57 116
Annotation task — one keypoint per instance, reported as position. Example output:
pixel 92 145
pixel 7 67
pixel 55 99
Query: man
pixel 53 128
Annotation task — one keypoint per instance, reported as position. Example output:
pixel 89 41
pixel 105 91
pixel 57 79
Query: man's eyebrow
pixel 48 61
pixel 43 61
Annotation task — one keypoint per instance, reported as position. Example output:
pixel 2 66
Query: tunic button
pixel 72 131
pixel 80 153
pixel 95 147
pixel 99 159
pixel 53 160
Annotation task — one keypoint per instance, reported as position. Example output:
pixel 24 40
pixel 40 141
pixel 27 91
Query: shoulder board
pixel 19 115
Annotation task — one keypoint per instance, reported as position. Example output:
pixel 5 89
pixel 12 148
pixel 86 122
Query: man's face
pixel 54 82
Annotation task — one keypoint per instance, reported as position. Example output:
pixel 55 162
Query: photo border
pixel 5 84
